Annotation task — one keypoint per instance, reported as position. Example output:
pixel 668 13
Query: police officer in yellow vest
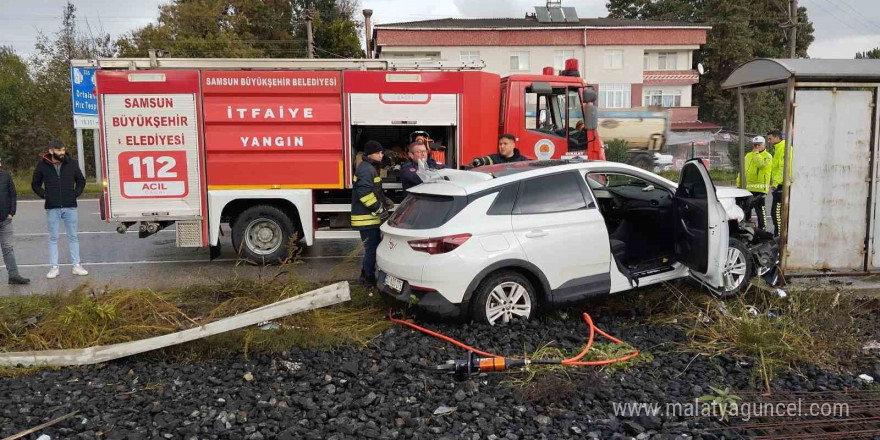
pixel 369 207
pixel 757 166
pixel 780 149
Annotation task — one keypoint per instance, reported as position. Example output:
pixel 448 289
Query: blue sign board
pixel 83 81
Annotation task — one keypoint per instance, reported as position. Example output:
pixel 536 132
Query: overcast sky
pixel 843 27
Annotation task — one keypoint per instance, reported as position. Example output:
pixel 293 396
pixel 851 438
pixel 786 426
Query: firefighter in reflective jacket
pixel 779 151
pixel 369 207
pixel 757 166
pixel 507 152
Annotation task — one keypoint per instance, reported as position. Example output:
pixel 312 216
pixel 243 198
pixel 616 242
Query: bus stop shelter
pixel 830 202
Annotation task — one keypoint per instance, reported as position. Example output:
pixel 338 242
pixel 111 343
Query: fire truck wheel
pixel 260 234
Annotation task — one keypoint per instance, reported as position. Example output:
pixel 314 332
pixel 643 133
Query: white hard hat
pixel 758 140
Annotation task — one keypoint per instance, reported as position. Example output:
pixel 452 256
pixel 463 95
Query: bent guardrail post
pixel 323 297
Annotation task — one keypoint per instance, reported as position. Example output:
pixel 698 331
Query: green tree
pixel 336 32
pixel 741 31
pixel 35 103
pixel 16 88
pixel 248 28
pixel 872 54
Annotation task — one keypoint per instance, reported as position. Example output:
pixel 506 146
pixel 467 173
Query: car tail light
pixel 439 245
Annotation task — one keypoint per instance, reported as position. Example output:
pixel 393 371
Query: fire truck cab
pixel 268 146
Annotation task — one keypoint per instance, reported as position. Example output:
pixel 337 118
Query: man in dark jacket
pixel 369 207
pixel 417 151
pixel 507 152
pixel 60 182
pixel 8 201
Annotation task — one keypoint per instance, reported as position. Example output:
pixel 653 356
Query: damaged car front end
pixel 762 245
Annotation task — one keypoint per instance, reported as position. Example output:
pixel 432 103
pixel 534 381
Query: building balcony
pixel 670 77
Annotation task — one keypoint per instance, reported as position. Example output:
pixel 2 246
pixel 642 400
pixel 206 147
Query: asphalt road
pixel 119 260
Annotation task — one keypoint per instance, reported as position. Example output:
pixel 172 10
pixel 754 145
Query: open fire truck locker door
pixel 153 151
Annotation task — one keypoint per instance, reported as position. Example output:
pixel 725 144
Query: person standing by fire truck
pixel 60 182
pixel 507 152
pixel 369 207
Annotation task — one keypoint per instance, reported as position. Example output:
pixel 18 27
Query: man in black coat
pixel 60 182
pixel 8 201
pixel 408 171
pixel 507 152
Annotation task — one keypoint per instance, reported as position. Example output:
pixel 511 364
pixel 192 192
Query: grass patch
pixel 532 375
pixel 89 317
pixel 778 334
pixel 808 327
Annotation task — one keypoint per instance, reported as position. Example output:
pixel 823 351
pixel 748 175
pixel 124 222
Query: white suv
pixel 496 242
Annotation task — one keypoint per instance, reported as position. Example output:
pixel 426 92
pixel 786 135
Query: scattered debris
pixel 866 378
pixel 279 364
pixel 781 293
pixel 444 411
pixel 41 427
pixel 248 376
pixel 268 325
pixel 871 345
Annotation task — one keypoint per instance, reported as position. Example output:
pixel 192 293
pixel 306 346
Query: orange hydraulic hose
pixel 441 336
pixel 574 361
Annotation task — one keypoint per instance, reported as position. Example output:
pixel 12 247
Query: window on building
pixel 647 62
pixel 662 98
pixel 615 95
pixel 667 61
pixel 559 58
pixel 469 56
pixel 519 61
pixel 614 59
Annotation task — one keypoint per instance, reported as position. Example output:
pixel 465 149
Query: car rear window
pixel 424 211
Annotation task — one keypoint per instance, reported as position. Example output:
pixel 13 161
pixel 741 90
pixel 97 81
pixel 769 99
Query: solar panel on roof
pixel 542 14
pixel 571 14
pixel 556 15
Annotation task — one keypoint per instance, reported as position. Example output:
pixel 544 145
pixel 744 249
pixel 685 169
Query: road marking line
pixel 222 260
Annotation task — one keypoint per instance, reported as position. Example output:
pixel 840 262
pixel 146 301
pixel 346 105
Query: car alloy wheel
pixel 507 301
pixel 735 269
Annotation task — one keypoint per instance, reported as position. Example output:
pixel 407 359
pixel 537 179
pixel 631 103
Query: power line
pixel 858 16
pixel 834 16
pixel 328 52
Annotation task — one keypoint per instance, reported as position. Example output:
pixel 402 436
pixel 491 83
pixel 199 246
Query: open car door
pixel 701 231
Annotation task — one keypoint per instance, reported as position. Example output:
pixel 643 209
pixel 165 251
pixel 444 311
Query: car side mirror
pixel 590 95
pixel 591 117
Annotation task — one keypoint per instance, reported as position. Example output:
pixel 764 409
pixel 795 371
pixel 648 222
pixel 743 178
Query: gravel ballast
pixel 381 391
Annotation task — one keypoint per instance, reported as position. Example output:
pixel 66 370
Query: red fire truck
pixel 268 146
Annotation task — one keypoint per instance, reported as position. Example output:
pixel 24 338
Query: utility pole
pixel 311 43
pixel 793 18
